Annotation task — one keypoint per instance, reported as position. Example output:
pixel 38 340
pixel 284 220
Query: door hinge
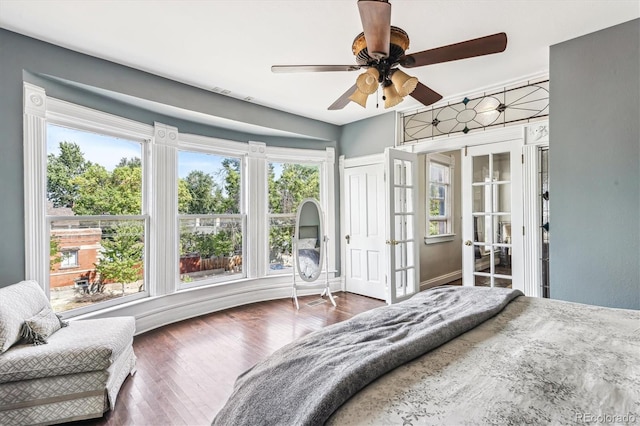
pixel 523 230
pixel 466 150
pixel 522 158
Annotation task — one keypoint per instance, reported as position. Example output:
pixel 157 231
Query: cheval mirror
pixel 309 246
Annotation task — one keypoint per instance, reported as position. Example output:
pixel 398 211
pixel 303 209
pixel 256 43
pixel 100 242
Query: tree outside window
pixel 85 180
pixel 289 184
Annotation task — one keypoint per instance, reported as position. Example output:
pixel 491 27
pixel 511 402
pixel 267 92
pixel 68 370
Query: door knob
pixel 348 238
pixel 392 242
pixel 468 243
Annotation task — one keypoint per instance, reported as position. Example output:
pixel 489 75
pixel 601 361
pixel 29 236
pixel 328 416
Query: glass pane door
pixel 404 276
pixel 492 244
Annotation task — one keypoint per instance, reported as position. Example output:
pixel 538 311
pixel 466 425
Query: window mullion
pixel 163 177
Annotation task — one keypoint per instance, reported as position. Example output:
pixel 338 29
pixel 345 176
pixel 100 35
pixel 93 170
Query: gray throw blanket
pixel 304 382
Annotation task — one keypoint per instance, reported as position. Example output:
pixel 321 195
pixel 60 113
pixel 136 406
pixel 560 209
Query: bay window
pixel 118 211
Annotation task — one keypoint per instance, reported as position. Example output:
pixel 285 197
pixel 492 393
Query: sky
pixel 108 151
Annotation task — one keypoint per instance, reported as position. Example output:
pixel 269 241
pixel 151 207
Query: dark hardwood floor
pixel 186 370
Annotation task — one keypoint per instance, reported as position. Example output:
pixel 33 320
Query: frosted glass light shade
pixel 359 97
pixel 367 82
pixel 391 96
pixel 403 82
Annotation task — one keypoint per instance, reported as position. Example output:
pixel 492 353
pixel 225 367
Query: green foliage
pixel 121 256
pixel 184 197
pixel 229 198
pixel 55 256
pixel 207 245
pixel 296 183
pixel 201 188
pixel 61 170
pixel 100 192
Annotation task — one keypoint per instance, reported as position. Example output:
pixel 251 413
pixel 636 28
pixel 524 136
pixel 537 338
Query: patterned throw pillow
pixel 17 303
pixel 40 326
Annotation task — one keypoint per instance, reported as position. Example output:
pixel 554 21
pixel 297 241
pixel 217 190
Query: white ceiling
pixel 231 45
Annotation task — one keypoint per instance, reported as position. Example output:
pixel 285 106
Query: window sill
pixel 439 239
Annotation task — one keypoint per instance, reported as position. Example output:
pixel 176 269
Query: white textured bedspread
pixel 539 361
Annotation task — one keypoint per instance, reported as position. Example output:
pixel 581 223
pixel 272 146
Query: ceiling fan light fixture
pixel 367 82
pixel 403 83
pixel 359 97
pixel 391 96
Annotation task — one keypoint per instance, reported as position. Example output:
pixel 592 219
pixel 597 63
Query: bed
pixel 452 355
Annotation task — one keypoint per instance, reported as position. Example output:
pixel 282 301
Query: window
pixel 94 198
pixel 128 211
pixel 439 169
pixel 69 259
pixel 211 225
pixel 289 184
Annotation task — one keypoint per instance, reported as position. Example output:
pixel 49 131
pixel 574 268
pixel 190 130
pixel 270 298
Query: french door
pixel 492 253
pixel 403 270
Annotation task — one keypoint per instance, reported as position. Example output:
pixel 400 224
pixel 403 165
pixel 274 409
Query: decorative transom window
pixel 523 103
pixel 439 173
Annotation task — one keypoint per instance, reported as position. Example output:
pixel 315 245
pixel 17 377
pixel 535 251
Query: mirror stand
pixel 309 249
pixel 326 290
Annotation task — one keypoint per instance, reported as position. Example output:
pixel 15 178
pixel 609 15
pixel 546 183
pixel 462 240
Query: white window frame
pixel 291 215
pixel 40 111
pixel 161 144
pixel 448 218
pixel 221 148
pixel 325 160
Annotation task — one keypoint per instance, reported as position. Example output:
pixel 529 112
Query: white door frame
pixel 344 163
pixel 536 133
pixel 529 133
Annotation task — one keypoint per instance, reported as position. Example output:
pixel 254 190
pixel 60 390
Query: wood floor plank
pixel 186 370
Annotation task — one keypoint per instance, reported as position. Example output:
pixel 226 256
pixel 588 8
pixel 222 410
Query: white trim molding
pixel 441 280
pixel 35 131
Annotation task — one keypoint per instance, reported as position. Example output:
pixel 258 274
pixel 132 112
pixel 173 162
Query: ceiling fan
pixel 380 49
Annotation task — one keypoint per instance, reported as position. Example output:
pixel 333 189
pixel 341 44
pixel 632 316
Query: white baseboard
pixel 441 280
pixel 154 312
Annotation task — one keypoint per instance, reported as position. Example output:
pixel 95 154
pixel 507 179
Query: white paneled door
pixel 492 216
pixel 401 225
pixel 364 199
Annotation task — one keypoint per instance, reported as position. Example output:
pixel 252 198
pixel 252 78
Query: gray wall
pixel 369 136
pixel 68 75
pixel 594 168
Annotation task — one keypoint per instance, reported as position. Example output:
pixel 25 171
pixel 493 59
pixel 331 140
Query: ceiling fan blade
pixel 343 100
pixel 313 68
pixel 376 23
pixel 425 95
pixel 495 43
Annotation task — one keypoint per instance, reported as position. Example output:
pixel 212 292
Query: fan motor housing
pixel 399 43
